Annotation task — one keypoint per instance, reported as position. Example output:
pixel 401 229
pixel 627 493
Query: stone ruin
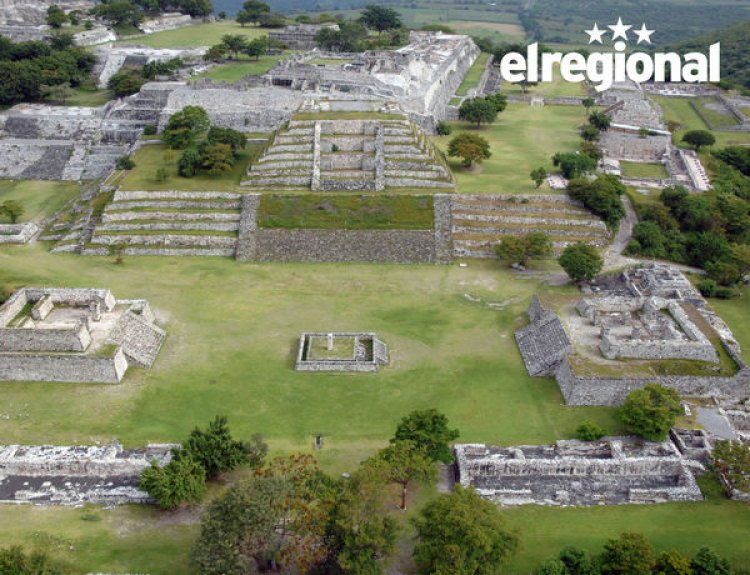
pixel 76 475
pixel 422 76
pixel 75 335
pixel 300 36
pixel 340 351
pixel 166 21
pixel 351 154
pixel 641 327
pixel 18 233
pixel 610 471
pixel 22 20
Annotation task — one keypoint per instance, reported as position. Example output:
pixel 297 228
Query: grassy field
pixel 498 32
pixel 40 199
pixel 151 157
pixel 641 170
pixel 679 110
pixel 346 211
pixel 198 35
pixel 91 98
pixel 474 75
pixel 555 89
pixel 523 138
pixel 237 70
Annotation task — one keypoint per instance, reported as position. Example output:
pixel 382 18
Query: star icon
pixel 595 34
pixel 644 35
pixel 619 30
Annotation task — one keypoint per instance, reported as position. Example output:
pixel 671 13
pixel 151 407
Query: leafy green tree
pixel 189 162
pixel 196 8
pixel 672 563
pixel 380 18
pixel 127 81
pixel 538 175
pixel 428 430
pixel 403 463
pixel 581 262
pixel 216 158
pixel 444 128
pixel 361 533
pixel 471 148
pixel 256 47
pixel 588 103
pixel 650 412
pixel 732 460
pixel 348 38
pixel 13 209
pixel 271 20
pixel 233 138
pixel 124 163
pixel 215 449
pixel 119 13
pixel 709 562
pixel 478 111
pixel 161 175
pixel 699 138
pixel 552 567
pixel 215 53
pixel 499 100
pixel 601 196
pixel 599 120
pixel 521 249
pixel 56 16
pixel 252 11
pixel 630 554
pixel 462 534
pixel 590 133
pixel 235 44
pixel 577 561
pixel 589 431
pixel 573 165
pixel 182 480
pixel 185 127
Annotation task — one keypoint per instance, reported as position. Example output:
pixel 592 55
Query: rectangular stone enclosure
pixel 340 351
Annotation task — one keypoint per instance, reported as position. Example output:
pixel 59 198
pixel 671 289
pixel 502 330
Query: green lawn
pixel 714 117
pixel 557 88
pixel 92 98
pixel 40 199
pixel 198 35
pixel 522 138
pixel 641 170
pixel 346 211
pixel 151 157
pixel 474 75
pixel 234 71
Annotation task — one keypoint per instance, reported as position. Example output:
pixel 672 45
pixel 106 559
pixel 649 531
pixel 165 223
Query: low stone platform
pixel 340 351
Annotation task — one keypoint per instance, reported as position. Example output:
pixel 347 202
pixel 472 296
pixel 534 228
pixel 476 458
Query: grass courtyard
pixel 40 199
pixel 233 330
pixel 643 170
pixel 233 71
pixel 197 35
pixel 522 139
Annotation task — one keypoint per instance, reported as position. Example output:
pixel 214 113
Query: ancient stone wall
pixel 63 367
pixel 17 233
pixel 75 338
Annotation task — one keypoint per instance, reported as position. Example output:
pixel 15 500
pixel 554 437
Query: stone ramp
pixel 169 223
pixel 479 222
pixel 141 340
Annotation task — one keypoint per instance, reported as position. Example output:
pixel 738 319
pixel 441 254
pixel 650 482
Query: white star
pixel 595 34
pixel 644 35
pixel 620 30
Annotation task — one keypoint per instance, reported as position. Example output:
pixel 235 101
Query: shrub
pixel 650 412
pixel 581 262
pixel 707 287
pixel 149 130
pixel 125 163
pixel 472 148
pixel 725 293
pixel 444 129
pixel 589 431
pixel 182 480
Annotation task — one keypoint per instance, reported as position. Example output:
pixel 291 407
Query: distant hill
pixel 735 51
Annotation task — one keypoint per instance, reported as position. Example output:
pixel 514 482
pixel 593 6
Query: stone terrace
pixel 611 471
pixel 481 221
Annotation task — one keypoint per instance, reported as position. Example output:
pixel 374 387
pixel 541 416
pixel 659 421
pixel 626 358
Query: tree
pixel 185 127
pixel 126 82
pixel 215 53
pixel 428 430
pixel 402 463
pixel 196 8
pixel 13 209
pixel 630 554
pixel 256 47
pixel 271 21
pixel 119 13
pixel 589 431
pixel 189 162
pixel 462 534
pixel 650 412
pixel 708 562
pixel 216 158
pixel 573 165
pixel 672 563
pixel 499 100
pixel 588 103
pixel 581 262
pixel 699 138
pixel 55 16
pixel 478 111
pixel 215 449
pixel 577 561
pixel 161 175
pixel 235 44
pixel 538 175
pixel 124 163
pixel 600 120
pixel 252 11
pixel 347 39
pixel 380 18
pixel 472 148
pixel 590 133
pixel 443 128
pixel 732 461
pixel 552 567
pixel 361 532
pixel 520 249
pixel 233 138
pixel 601 196
pixel 182 480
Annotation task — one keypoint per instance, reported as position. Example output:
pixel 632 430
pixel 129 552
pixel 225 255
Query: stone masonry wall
pixel 63 368
pixel 45 340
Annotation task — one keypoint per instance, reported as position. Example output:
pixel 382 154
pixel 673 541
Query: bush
pixel 601 196
pixel 182 480
pixel 189 163
pixel 581 262
pixel 444 129
pixel 650 412
pixel 125 163
pixel 707 287
pixel 725 293
pixel 589 431
pixel 149 130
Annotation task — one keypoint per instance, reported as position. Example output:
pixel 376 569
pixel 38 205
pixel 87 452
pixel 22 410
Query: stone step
pixel 102 229
pixel 121 196
pixel 168 240
pixel 175 204
pixel 474 234
pixel 459 207
pixel 271 156
pixel 166 216
pixel 278 181
pixel 415 183
pixel 488 220
pixel 349 174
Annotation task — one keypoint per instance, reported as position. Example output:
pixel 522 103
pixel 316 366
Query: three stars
pixel 619 30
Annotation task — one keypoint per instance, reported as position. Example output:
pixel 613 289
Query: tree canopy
pixel 428 430
pixel 380 18
pixel 650 412
pixel 478 111
pixel 581 261
pixel 699 138
pixel 472 148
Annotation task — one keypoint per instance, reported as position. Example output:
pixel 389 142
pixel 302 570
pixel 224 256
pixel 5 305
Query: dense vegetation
pixel 28 67
pixel 710 230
